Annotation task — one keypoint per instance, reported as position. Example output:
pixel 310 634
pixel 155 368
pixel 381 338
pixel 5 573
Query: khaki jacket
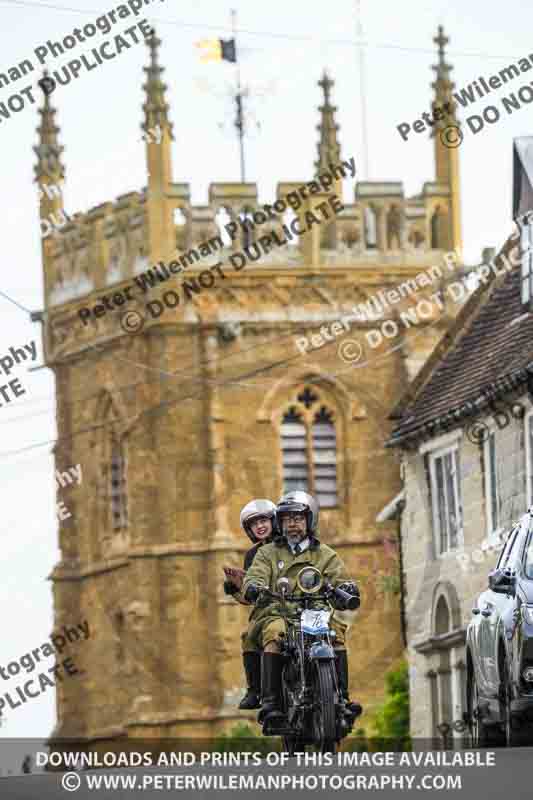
pixel 277 561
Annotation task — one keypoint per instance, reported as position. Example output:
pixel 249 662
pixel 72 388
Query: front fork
pixel 302 667
pixel 323 651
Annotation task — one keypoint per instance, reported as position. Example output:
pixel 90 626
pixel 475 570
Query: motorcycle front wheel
pixel 324 722
pixel 292 744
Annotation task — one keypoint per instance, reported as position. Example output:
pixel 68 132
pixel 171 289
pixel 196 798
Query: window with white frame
pixel 526 248
pixel 446 499
pixel 528 419
pixel 493 484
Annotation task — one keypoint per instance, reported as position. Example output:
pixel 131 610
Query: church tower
pixel 180 411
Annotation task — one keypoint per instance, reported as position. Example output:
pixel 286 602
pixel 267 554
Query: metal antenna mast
pixel 361 54
pixel 239 119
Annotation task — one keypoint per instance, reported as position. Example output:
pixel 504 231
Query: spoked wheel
pixel 290 744
pixel 324 723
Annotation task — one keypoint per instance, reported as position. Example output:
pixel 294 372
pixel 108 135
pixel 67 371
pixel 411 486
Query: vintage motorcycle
pixel 314 711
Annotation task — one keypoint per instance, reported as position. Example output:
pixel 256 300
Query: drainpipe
pixel 403 621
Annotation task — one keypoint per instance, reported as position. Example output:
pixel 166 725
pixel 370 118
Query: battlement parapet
pixel 109 243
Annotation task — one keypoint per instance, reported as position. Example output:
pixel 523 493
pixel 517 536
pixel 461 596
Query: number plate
pixel 315 621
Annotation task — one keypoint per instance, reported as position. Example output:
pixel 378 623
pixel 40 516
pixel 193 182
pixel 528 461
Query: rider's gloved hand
pixel 342 604
pixel 230 588
pixel 257 595
pixel 252 593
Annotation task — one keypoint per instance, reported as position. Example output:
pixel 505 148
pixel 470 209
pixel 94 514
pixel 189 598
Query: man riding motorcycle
pixel 296 546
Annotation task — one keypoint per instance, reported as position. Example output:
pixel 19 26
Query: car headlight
pixel 527 613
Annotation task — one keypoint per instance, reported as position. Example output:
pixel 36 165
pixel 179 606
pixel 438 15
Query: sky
pixel 284 48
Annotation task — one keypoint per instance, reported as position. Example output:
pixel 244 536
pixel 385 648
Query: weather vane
pixel 244 121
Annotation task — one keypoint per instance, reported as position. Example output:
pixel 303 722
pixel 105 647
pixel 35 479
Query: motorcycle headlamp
pixel 309 580
pixel 527 614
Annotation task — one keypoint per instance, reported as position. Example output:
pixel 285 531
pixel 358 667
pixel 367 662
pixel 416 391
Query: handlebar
pixel 295 598
pixel 349 601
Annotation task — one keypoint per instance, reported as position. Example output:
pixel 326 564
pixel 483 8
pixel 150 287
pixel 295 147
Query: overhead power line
pixel 181 373
pixel 266 34
pixel 194 395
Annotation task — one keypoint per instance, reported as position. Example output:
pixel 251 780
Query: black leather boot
pixel 341 665
pixel 252 668
pixel 271 681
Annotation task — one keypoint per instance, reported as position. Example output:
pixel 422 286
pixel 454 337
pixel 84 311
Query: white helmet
pixel 255 509
pixel 303 502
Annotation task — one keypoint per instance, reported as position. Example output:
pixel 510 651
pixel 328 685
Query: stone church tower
pixel 210 404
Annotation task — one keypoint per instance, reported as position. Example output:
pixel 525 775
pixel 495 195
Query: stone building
pixel 181 415
pixel 465 432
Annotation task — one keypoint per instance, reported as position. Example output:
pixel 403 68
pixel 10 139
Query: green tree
pixel 392 718
pixel 388 729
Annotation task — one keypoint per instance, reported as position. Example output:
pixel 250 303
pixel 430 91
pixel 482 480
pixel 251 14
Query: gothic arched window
pixel 247 222
pixel 370 228
pixel 442 617
pixel 119 508
pixel 435 229
pixel 223 217
pixel 309 449
pixel 394 224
